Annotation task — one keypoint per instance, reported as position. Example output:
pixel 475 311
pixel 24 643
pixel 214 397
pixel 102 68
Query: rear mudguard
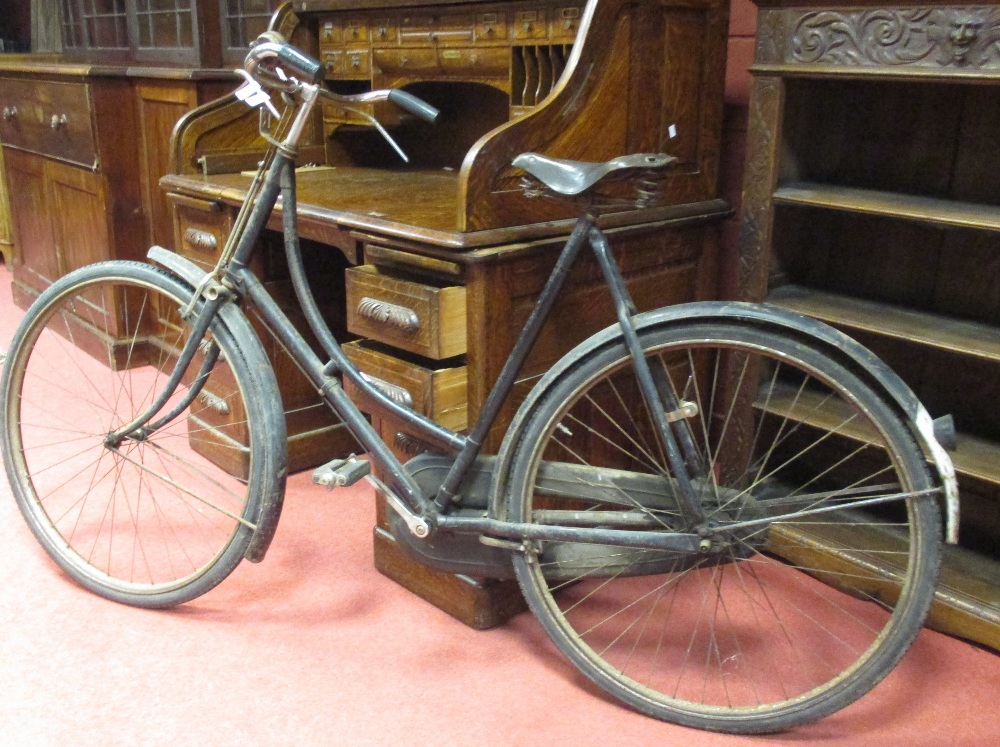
pixel 833 343
pixel 266 520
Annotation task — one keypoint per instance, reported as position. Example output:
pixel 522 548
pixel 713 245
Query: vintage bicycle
pixel 726 515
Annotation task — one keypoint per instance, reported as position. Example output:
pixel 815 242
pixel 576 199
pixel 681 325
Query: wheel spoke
pixel 158 518
pixel 789 610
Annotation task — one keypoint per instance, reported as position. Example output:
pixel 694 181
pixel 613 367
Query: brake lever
pixel 381 130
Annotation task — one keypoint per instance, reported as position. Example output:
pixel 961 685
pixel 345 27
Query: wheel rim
pixel 748 638
pixel 148 517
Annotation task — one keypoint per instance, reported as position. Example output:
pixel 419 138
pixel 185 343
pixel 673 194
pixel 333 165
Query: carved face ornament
pixel 964 32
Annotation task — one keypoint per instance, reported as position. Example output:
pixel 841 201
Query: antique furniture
pixel 434 266
pixel 85 134
pixel 84 149
pixel 870 202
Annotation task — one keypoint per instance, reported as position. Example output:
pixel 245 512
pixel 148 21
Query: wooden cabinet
pixel 871 202
pixel 84 148
pixel 69 146
pixel 197 33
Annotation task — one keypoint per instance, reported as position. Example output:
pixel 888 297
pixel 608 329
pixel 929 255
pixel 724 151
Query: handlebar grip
pixel 301 65
pixel 413 105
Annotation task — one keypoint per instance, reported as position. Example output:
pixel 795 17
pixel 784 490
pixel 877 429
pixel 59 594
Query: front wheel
pixel 787 613
pixel 160 516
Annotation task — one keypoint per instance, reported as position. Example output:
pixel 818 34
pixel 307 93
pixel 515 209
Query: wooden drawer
pixel 406 62
pixel 566 23
pixel 445 29
pixel 422 319
pixel 531 25
pixel 384 31
pixel 437 392
pixel 491 26
pixel 201 228
pixel 489 62
pixel 47 117
pixel 337 31
pixel 348 63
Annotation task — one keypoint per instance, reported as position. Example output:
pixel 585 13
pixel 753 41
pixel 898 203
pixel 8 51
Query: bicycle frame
pixel 427 513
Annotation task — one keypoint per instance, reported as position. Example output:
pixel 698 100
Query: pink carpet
pixel 313 646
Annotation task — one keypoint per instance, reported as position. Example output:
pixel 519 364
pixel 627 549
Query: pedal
pixel 341 472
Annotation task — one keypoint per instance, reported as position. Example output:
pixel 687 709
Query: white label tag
pixel 251 94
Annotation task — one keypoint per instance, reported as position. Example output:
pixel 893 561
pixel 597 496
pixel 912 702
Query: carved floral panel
pixel 950 37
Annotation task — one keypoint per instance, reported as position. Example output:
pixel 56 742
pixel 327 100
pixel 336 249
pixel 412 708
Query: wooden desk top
pixel 415 205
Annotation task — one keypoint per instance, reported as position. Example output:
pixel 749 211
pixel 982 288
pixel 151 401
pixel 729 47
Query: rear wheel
pixel 786 614
pixel 156 518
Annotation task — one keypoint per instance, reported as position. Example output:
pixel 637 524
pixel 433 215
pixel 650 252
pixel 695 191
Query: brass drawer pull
pixel 396 393
pixel 201 239
pixel 214 402
pixel 408 444
pixel 9 113
pixel 58 120
pixel 389 313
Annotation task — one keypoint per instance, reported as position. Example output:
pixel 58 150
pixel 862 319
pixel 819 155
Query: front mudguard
pixel 835 344
pixel 266 520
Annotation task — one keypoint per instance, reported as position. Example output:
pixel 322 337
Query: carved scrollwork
pixel 388 313
pixel 407 444
pixel 214 402
pixel 898 37
pixel 396 393
pixel 201 239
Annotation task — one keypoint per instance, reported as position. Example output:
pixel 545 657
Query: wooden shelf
pixel 928 210
pixel 967 600
pixel 975 457
pixel 933 330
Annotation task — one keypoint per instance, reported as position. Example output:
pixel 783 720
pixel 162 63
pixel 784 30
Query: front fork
pixel 139 427
pixel 666 410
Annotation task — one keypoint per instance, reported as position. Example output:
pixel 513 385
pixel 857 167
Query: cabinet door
pixel 29 213
pixel 79 215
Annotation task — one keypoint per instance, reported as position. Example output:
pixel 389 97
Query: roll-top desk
pixel 431 269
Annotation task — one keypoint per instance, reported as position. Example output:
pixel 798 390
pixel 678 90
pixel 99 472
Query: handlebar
pixel 416 107
pixel 276 64
pixel 293 60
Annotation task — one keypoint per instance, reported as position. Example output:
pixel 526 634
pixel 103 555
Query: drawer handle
pixel 396 393
pixel 57 121
pixel 9 113
pixel 214 402
pixel 200 239
pixel 408 444
pixel 389 313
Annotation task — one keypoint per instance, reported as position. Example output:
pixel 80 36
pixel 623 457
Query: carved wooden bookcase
pixel 871 201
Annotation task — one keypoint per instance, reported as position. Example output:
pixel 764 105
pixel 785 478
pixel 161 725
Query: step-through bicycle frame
pixel 234 278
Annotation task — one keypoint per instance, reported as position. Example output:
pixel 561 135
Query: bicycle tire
pixel 152 521
pixel 783 624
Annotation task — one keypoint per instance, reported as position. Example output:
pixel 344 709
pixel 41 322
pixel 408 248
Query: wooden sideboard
pixel 85 133
pixel 84 147
pixel 450 240
pixel 870 202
